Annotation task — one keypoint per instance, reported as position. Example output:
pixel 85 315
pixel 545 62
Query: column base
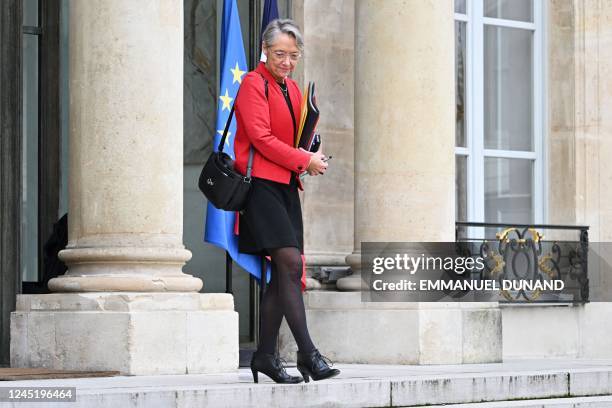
pixel 325 259
pixel 313 284
pixel 119 283
pixel 125 269
pixel 347 330
pixel 133 333
pixel 352 282
pixel 316 260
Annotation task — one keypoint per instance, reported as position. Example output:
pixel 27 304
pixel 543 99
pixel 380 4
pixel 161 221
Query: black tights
pixel 283 297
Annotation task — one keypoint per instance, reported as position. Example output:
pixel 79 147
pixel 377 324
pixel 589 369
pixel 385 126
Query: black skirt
pixel 272 218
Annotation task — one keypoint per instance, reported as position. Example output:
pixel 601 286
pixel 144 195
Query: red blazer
pixel 267 125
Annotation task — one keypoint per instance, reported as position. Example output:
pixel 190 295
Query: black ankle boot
pixel 272 366
pixel 314 365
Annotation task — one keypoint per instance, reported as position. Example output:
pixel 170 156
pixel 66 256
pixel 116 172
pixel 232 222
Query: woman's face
pixel 282 56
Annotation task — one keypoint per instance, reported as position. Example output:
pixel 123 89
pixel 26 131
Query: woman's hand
pixel 317 165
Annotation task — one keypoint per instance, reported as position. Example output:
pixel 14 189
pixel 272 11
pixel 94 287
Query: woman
pixel 267 110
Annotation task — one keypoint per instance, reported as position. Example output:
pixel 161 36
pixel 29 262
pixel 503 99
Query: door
pixel 30 135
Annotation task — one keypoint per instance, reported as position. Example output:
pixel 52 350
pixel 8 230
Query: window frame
pixel 474 149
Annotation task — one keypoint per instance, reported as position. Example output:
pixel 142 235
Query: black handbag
pixel 222 185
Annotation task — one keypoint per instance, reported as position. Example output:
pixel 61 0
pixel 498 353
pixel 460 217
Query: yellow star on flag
pixel 226 99
pixel 227 138
pixel 237 74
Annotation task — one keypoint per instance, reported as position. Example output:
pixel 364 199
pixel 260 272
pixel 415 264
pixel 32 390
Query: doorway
pixel 31 144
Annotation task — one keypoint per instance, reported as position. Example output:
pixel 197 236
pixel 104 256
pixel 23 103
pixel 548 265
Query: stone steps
pixel 533 383
pixel 578 402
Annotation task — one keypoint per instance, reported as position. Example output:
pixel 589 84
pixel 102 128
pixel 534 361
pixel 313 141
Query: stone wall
pixel 579 179
pixel 579 123
pixel 579 106
pixel 561 121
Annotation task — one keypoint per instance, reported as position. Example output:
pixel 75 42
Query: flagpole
pixel 228 273
pixel 262 291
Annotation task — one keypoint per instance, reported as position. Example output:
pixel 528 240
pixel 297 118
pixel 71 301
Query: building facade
pixel 436 112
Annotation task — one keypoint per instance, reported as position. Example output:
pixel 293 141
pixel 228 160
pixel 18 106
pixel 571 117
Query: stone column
pixel 327 203
pixel 404 125
pixel 125 211
pixel 126 149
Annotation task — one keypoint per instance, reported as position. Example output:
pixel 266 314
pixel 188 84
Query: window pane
pixel 461 188
pixel 30 13
pixel 508 190
pixel 460 6
pixel 509 9
pixel 508 85
pixel 29 215
pixel 460 75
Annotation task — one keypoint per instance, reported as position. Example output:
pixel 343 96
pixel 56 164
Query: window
pixel 30 127
pixel 499 149
pixel 43 78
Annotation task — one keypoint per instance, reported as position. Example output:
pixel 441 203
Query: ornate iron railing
pixel 515 252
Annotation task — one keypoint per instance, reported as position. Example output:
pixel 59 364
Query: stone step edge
pixel 598 401
pixel 391 392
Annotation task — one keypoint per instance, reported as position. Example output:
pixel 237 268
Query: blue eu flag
pixel 219 228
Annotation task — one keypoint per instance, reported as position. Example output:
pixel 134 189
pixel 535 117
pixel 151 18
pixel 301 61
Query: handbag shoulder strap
pixel 229 121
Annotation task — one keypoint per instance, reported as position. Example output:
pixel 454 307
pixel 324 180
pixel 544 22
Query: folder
pixel 308 119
